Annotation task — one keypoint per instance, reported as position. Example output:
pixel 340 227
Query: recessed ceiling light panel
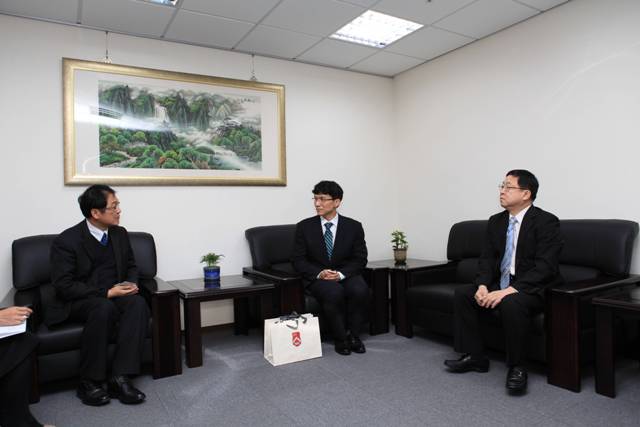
pixel 376 29
pixel 164 2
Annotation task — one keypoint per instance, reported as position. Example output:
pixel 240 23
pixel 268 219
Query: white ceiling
pixel 296 30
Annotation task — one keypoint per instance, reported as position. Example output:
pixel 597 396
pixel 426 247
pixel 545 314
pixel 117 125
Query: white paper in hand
pixel 7 331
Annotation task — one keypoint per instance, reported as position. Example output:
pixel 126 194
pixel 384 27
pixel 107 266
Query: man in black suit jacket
pixel 93 276
pixel 330 253
pixel 518 262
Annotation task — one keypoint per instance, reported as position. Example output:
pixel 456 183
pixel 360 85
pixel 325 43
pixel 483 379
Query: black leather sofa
pixel 595 260
pixel 271 248
pixel 59 349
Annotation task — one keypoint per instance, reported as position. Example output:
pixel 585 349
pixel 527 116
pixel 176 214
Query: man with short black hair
pixel 518 262
pixel 94 275
pixel 330 252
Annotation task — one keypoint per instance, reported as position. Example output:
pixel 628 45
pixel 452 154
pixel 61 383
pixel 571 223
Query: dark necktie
pixel 328 238
pixel 105 239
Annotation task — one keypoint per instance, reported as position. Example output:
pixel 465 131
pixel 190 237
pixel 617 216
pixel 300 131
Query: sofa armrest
pixel 164 302
pixel 289 288
pixel 31 298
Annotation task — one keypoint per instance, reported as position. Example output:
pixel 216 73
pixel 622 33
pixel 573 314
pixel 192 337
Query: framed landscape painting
pixel 138 126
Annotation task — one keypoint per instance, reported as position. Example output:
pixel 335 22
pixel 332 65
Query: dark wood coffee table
pixel 402 277
pixel 194 291
pixel 626 302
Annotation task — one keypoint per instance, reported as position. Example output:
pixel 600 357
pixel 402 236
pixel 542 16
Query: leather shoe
pixel 120 386
pixel 92 393
pixel 356 345
pixel 466 364
pixel 342 347
pixel 517 379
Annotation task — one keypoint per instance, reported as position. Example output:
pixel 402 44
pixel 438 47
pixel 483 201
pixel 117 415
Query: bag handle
pixel 294 317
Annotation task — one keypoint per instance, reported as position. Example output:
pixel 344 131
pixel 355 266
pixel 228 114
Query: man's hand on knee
pixel 122 289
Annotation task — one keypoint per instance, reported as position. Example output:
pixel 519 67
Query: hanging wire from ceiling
pixel 253 71
pixel 106 58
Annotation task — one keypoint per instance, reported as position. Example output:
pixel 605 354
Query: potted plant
pixel 211 270
pixel 400 245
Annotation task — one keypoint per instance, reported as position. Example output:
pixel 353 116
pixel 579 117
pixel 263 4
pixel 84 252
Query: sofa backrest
pixel 592 247
pixel 271 246
pixel 31 266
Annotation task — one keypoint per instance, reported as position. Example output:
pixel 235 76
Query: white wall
pixel 558 94
pixel 338 126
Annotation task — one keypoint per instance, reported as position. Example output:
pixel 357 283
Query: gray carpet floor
pixel 398 382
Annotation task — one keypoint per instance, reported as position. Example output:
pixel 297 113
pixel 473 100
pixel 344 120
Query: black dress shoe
pixel 92 393
pixel 342 347
pixel 120 386
pixel 517 379
pixel 356 345
pixel 465 364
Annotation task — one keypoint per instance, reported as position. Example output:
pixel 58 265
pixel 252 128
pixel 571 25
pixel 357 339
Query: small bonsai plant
pixel 211 270
pixel 400 245
pixel 399 240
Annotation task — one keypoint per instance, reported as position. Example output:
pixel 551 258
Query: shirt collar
pixel 334 221
pixel 95 231
pixel 521 214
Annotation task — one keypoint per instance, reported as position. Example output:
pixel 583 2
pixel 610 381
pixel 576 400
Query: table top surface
pixel 628 299
pixel 232 284
pixel 410 264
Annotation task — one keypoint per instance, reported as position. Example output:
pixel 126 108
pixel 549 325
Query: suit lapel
pixel 87 240
pixel 317 235
pixel 502 225
pixel 114 236
pixel 525 227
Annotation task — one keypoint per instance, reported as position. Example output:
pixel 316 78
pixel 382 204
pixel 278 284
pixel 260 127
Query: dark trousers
pixel 16 383
pixel 124 318
pixel 515 312
pixel 343 303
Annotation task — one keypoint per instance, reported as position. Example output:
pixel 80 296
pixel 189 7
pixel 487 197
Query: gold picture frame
pixel 127 125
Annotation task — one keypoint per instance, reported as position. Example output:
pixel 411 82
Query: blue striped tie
pixel 505 265
pixel 105 239
pixel 328 238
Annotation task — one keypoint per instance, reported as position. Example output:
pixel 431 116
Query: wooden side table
pixel 195 291
pixel 626 302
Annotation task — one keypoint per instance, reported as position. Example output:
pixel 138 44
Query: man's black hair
pixel 526 180
pixel 94 197
pixel 329 187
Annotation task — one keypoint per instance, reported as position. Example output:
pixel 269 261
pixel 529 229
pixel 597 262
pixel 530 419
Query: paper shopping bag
pixel 291 338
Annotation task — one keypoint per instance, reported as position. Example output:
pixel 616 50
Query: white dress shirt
pixel 96 232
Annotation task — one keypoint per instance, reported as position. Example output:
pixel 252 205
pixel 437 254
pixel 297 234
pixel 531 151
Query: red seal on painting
pixel 295 339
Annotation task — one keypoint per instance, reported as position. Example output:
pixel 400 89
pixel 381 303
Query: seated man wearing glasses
pixel 518 262
pixel 94 276
pixel 330 253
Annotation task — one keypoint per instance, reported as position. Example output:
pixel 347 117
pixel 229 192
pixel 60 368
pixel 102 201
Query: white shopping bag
pixel 291 338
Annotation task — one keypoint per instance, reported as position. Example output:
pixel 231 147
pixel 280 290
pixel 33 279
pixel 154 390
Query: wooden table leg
pixel 192 332
pixel 399 286
pixel 605 360
pixel 241 316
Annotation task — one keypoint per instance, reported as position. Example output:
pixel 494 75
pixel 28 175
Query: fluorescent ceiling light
pixel 165 2
pixel 376 29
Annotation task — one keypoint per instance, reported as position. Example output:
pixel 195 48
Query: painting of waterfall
pixel 129 125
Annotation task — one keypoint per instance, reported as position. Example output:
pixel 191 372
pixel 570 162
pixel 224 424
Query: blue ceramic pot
pixel 211 274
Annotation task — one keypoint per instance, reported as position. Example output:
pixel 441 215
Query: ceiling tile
pixel 419 10
pixel 336 53
pixel 318 17
pixel 485 17
pixel 129 16
pixel 58 10
pixel 244 10
pixel 276 42
pixel 428 43
pixel 542 4
pixel 206 29
pixel 386 64
pixel 363 3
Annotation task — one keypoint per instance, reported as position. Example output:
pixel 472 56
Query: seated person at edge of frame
pixel 94 275
pixel 16 368
pixel 330 254
pixel 518 262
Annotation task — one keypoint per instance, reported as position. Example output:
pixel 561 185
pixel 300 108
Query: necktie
pixel 105 239
pixel 505 265
pixel 328 238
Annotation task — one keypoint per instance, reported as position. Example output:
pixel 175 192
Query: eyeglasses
pixel 506 187
pixel 114 208
pixel 322 199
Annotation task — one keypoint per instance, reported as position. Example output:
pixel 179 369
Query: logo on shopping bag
pixel 295 338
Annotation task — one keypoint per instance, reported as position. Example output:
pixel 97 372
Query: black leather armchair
pixel 58 354
pixel 271 248
pixel 595 260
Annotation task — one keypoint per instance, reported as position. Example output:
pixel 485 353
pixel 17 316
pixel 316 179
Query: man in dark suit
pixel 330 253
pixel 518 262
pixel 94 277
